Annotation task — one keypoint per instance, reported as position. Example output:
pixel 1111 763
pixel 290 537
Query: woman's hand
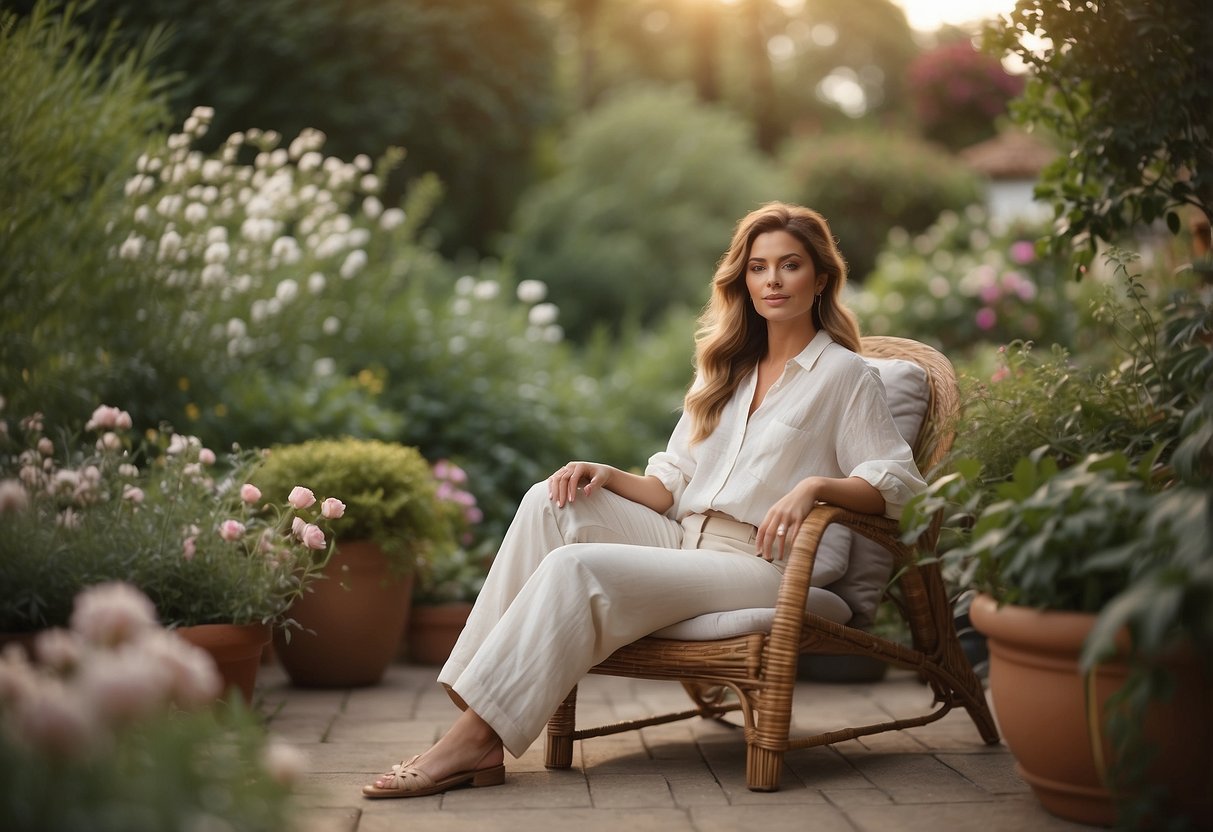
pixel 564 484
pixel 783 520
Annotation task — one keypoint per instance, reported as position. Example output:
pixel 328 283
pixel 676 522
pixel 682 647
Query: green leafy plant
pixel 113 728
pixel 1124 164
pixel 388 489
pixel 167 515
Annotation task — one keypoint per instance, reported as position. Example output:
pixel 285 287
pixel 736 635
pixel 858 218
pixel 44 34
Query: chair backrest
pixel 934 438
pixel 921 388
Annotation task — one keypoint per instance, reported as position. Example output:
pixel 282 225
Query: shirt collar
pixel 809 355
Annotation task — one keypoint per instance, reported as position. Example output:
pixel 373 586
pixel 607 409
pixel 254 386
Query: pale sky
pixel 926 15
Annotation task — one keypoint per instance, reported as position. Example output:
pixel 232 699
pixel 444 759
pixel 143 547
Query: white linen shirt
pixel 826 416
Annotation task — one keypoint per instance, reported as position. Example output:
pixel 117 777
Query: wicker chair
pixel 760 668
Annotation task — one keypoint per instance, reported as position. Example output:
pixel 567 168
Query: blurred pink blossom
pixel 106 417
pixel 986 318
pixel 125 684
pixel 301 497
pixel 13 497
pixel 250 493
pixel 57 720
pixel 189 548
pixel 206 456
pixel 1022 252
pixel 332 508
pixel 133 493
pixel 112 613
pixel 231 530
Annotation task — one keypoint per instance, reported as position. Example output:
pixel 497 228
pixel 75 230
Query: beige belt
pixel 720 525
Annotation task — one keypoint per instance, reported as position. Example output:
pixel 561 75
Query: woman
pixel 783 414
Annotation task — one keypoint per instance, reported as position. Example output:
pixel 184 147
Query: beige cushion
pixel 870 564
pixel 850 572
pixel 715 625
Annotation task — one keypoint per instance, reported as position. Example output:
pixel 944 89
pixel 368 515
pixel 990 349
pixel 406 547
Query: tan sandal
pixel 408 781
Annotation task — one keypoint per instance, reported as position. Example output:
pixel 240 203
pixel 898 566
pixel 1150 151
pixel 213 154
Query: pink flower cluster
pixel 113 667
pixel 451 479
pixel 300 499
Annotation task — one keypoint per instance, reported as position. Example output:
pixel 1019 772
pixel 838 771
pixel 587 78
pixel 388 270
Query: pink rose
pixel 206 456
pixel 332 508
pixel 301 497
pixel 312 536
pixel 231 530
pixel 297 525
pixel 133 493
pixel 250 493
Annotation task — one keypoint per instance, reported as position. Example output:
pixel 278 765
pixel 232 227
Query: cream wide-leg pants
pixel 571 585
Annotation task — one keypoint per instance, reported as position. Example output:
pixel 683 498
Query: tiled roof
pixel 1012 154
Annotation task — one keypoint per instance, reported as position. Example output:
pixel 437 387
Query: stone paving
pixel 682 776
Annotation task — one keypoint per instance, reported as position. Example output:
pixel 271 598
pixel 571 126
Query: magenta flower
pixel 986 318
pixel 1022 252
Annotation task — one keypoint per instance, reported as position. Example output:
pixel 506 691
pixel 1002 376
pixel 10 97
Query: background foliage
pixel 644 204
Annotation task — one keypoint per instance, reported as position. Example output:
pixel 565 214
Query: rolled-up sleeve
pixel 871 448
pixel 675 465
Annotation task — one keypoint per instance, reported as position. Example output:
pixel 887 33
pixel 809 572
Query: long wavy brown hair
pixel 732 336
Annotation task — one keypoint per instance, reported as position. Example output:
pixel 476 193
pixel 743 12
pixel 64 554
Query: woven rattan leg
pixel 762 768
pixel 559 751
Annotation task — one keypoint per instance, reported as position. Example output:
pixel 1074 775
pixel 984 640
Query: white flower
pixel 216 234
pixel 285 763
pixel 315 283
pixel 372 207
pixel 370 183
pixel 331 325
pixel 123 685
pixel 236 328
pixel 465 285
pixel 203 113
pixel 362 162
pixel 242 283
pixel 195 212
pixel 532 291
pixel 392 218
pixel 257 313
pixel 212 169
pixel 169 205
pixel 286 249
pixel 354 262
pixel 461 306
pixel 213 274
pixel 310 161
pixel 217 252
pixel 457 344
pixel 287 290
pixel 486 290
pixel 273 306
pixel 324 367
pixel 543 314
pixel 258 229
pixel 553 334
pixel 358 237
pixel 131 247
pixel 142 214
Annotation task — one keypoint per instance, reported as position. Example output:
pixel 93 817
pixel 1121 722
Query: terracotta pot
pixel 353 620
pixel 434 629
pixel 1040 700
pixel 236 649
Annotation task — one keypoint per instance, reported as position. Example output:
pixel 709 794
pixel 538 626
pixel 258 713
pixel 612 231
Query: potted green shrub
pixel 348 627
pixel 164 514
pixel 1091 554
